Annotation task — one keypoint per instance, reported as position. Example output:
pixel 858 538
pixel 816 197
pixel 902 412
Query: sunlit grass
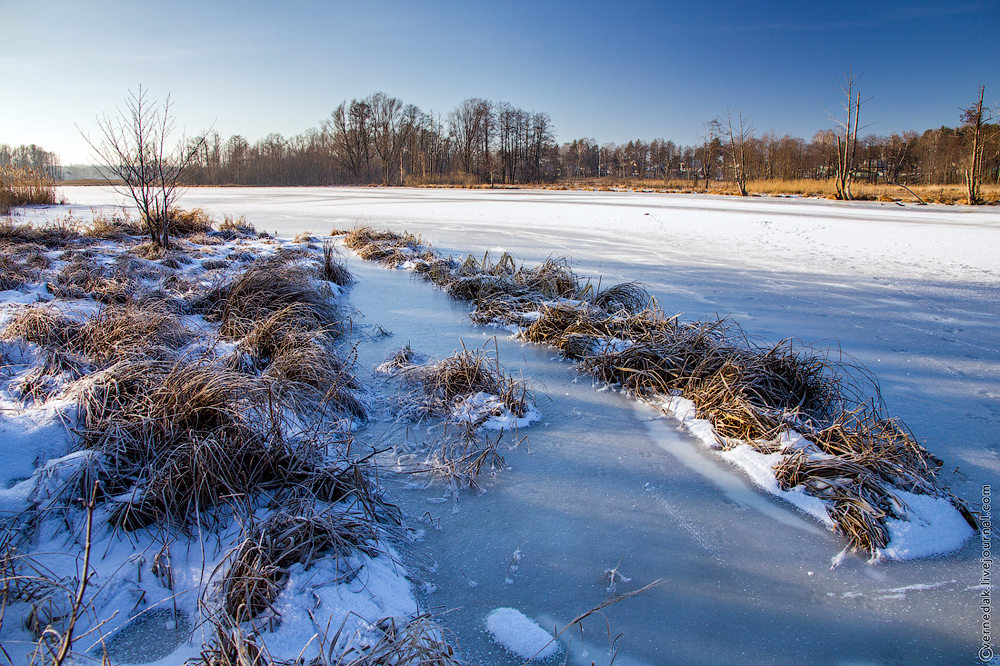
pixel 24 186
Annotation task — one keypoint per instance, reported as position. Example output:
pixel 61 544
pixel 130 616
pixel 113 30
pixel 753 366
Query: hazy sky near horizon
pixel 612 71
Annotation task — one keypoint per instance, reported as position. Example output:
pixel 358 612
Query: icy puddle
pixel 607 496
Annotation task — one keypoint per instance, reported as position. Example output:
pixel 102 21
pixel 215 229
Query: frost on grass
pixel 178 481
pixel 463 398
pixel 804 423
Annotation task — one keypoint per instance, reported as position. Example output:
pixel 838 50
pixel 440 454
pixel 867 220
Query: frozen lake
pixel 909 291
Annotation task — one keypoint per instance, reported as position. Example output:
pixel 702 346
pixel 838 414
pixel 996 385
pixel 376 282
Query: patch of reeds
pixel 52 234
pixel 13 274
pixel 302 361
pixel 90 275
pixel 234 227
pixel 114 226
pixel 386 247
pixel 403 357
pixel 49 374
pixel 418 641
pixel 44 325
pixel 117 331
pixel 187 436
pixel 22 186
pixel 188 222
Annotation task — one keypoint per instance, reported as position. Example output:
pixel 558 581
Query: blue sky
pixel 610 71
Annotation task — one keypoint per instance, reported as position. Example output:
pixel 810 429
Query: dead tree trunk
pixel 738 140
pixel 973 117
pixel 847 145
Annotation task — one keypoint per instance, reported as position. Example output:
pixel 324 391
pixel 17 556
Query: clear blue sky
pixel 612 71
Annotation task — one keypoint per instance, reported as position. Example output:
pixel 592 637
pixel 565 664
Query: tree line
pixel 31 157
pixel 380 139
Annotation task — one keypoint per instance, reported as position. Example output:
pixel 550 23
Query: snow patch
pixel 520 634
pixel 493 413
pixel 935 526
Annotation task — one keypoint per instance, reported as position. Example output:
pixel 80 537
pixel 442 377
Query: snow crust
pixel 933 526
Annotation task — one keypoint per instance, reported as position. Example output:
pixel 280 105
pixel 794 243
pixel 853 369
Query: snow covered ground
pixel 610 485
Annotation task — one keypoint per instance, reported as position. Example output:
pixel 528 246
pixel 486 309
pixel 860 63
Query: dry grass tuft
pixel 302 362
pixel 334 267
pixel 265 288
pixel 44 325
pixel 117 226
pixel 118 331
pixel 14 274
pixel 233 227
pixel 441 386
pixel 189 222
pixel 54 234
pixel 260 564
pixel 417 642
pixel 187 436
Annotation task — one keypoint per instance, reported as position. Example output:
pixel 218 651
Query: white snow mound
pixel 520 634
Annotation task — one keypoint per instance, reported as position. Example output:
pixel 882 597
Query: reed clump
pixel 188 222
pixel 53 234
pixel 266 287
pixel 235 227
pixel 186 435
pixel 386 247
pixel 418 641
pixel 45 326
pixel 260 565
pixel 439 387
pixel 334 267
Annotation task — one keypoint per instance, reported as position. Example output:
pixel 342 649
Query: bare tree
pixel 389 131
pixel 739 140
pixel 138 162
pixel 973 119
pixel 709 149
pixel 847 145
